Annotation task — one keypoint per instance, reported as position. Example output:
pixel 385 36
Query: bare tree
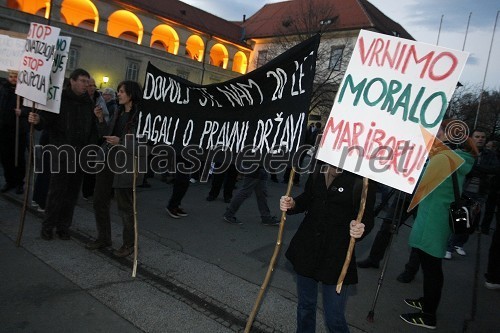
pixel 307 19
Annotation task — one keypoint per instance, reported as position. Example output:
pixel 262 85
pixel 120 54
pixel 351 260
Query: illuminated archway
pixel 125 25
pixel 195 48
pixel 35 7
pixel 165 37
pixel 80 13
pixel 240 62
pixel 219 56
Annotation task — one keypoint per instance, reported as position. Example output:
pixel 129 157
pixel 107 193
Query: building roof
pixel 271 19
pixel 193 17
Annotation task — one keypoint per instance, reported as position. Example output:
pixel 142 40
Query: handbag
pixel 464 211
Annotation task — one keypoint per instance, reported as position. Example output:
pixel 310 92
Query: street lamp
pixel 105 79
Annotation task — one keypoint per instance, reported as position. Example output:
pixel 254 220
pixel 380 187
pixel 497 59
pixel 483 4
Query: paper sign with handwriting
pixel 392 89
pixel 33 80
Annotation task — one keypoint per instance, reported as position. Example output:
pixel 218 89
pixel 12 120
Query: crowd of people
pixel 108 119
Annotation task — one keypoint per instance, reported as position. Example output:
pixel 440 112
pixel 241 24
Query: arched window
pixel 166 38
pixel 80 13
pixel 195 48
pixel 125 25
pixel 219 56
pixel 240 63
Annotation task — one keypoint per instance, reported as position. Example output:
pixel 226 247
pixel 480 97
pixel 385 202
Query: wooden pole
pixel 353 240
pixel 136 236
pixel 28 183
pixel 16 139
pixel 272 263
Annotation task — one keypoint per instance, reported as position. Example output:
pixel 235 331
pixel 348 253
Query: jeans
pixel 250 184
pixel 333 306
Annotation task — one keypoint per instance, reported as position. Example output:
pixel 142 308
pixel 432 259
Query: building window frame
pixel 132 71
pixel 262 57
pixel 335 62
pixel 73 57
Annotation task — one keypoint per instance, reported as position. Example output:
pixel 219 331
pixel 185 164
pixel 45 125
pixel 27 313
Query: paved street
pixel 200 274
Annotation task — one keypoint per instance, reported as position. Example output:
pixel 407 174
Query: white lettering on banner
pixel 161 88
pixel 206 97
pixel 289 135
pixel 166 134
pixel 236 93
pixel 280 76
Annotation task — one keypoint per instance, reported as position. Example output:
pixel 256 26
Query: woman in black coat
pixel 317 252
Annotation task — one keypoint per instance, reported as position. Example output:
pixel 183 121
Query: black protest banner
pixel 263 112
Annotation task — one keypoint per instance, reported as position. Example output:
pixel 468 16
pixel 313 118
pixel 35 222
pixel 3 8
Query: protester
pixel 109 96
pixel 42 179
pixel 318 249
pixel 253 182
pixel 9 115
pixel 120 133
pixel 75 127
pixel 493 195
pixel 88 183
pixel 431 229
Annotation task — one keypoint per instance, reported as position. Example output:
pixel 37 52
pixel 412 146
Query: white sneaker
pixel 460 250
pixel 447 255
pixel 492 286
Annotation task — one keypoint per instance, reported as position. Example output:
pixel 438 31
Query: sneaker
pixel 231 220
pixel 491 285
pixel 34 204
pixel 40 209
pixel 460 250
pixel 447 255
pixel 175 212
pixel 123 251
pixel 368 263
pixel 271 221
pixel 405 277
pixel 192 181
pixel 415 303
pixel 181 212
pixel 420 319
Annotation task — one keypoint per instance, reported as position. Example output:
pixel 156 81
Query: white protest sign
pixel 392 90
pixel 57 76
pixel 36 62
pixel 11 50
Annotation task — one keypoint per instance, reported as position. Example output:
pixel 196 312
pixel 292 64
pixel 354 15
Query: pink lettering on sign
pixel 39 31
pixel 402 56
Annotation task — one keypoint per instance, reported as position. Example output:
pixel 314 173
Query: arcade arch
pixel 166 38
pixel 125 25
pixel 219 56
pixel 240 62
pixel 80 13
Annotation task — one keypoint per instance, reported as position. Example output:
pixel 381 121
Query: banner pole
pixel 136 236
pixel 348 256
pixel 16 140
pixel 272 263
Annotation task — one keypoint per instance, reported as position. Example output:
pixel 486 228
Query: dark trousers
pixel 102 204
pixel 181 185
pixel 103 192
pixel 88 184
pixel 250 184
pixel 493 272
pixel 42 182
pixel 63 193
pixel 14 175
pixel 433 281
pixel 226 178
pixel 489 211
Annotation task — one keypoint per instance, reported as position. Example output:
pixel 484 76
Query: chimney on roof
pixel 244 17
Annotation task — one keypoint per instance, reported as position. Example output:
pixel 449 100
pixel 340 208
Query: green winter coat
pixel 431 230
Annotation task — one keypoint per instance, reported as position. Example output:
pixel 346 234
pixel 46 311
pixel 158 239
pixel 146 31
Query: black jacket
pixel 75 125
pixel 319 247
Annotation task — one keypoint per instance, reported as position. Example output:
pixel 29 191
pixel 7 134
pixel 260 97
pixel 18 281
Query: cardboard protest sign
pixel 11 50
pixel 33 79
pixel 264 110
pixel 57 76
pixel 393 89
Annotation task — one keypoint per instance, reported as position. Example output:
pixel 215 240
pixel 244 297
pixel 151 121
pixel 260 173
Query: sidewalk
pixel 199 274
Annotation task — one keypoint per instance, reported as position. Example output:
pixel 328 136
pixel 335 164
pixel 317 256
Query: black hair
pixel 132 89
pixel 77 73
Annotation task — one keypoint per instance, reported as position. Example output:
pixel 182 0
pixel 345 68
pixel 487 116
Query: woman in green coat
pixel 431 229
